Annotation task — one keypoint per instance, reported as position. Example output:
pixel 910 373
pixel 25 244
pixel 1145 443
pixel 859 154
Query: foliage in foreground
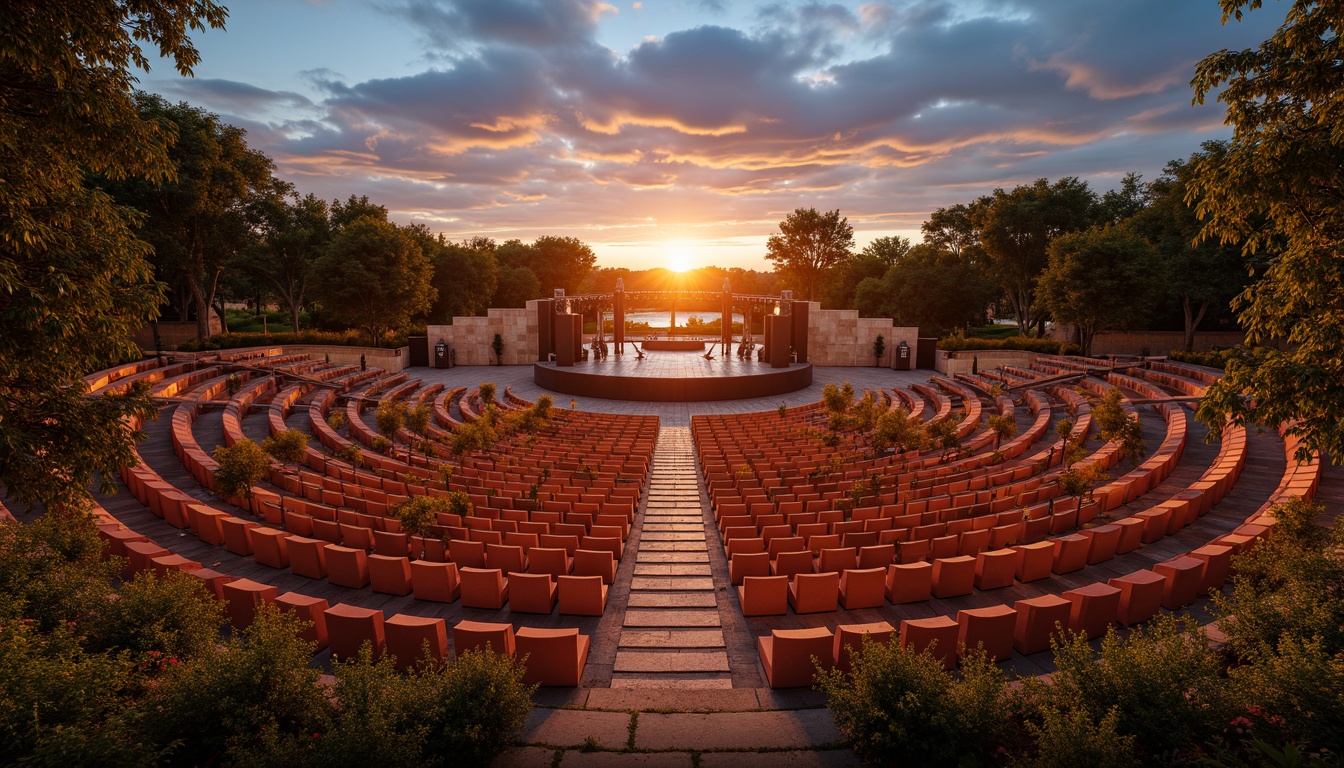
pixel 95 673
pixel 1159 695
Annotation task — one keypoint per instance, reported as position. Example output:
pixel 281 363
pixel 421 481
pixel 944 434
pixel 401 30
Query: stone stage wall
pixel 836 337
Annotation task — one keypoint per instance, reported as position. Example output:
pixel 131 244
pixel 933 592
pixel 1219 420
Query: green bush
pixel 336 420
pixel 241 466
pixel 478 705
pixel 211 708
pixel 161 621
pixel 1214 358
pixel 350 338
pixel 1067 740
pixel 51 570
pixel 459 503
pixel 288 445
pixel 351 454
pixel 1295 694
pixel 418 513
pixel 380 444
pixel 1026 343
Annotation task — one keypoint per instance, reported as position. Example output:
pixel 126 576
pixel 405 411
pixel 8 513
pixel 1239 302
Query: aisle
pixel 672 636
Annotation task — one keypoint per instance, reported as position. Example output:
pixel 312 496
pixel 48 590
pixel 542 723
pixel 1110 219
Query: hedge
pixel 1026 343
pixel 350 338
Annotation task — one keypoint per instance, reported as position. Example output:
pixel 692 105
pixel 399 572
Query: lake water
pixel 661 319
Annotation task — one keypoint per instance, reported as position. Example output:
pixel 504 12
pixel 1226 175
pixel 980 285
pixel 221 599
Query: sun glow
pixel 680 258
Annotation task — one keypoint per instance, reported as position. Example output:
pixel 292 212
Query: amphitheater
pixel 669 568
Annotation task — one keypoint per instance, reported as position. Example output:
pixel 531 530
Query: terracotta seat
pixel 941 547
pixel 349 627
pixel 1217 559
pixel 391 543
pixel 792 564
pixel 814 592
pixel 435 581
pixel 937 636
pixel 1094 608
pixel 1184 577
pixel 743 565
pixel 483 587
pixel 1140 595
pixel 972 543
pixel 990 627
pixel 507 558
pixel 483 635
pixel 996 568
pixel 356 537
pixel 591 562
pixel 242 596
pixel 237 534
pixel 849 640
pixel 162 564
pixel 532 593
pixel 554 657
pixel 390 575
pixel 1103 541
pixel 909 583
pixel 915 551
pixel 1038 619
pixel 582 595
pixel 877 556
pixel 553 560
pixel 467 554
pixel 307 557
pixel 1070 553
pixel 409 638
pixel 837 560
pixel 862 588
pixel 1036 562
pixel 556 541
pixel 610 544
pixel 347 567
pixel 212 580
pixel 786 544
pixel 764 595
pixel 311 610
pixel 1131 534
pixel 786 655
pixel 953 576
pixel 270 548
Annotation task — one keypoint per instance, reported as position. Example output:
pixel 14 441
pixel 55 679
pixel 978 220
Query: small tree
pixel 418 513
pixel 1004 427
pixel 894 429
pixel 1116 425
pixel 487 393
pixel 289 446
pixel 241 466
pixel 879 348
pixel 945 432
pixel 459 503
pixel 497 346
pixel 351 454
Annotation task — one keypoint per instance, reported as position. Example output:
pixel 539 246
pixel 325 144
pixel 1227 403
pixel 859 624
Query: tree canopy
pixel 810 244
pixel 374 276
pixel 1277 189
pixel 74 278
pixel 1100 278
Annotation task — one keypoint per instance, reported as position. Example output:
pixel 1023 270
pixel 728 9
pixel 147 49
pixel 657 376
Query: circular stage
pixel 672 377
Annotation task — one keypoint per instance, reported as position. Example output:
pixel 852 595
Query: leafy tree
pixel 1003 425
pixel 466 275
pixel 289 446
pixel 1067 739
pixel 1016 229
pixel 241 466
pixel 931 288
pixel 1277 189
pixel 957 228
pixel 872 262
pixel 1200 273
pixel 1123 204
pixel 343 213
pixel 517 285
pixel 74 278
pixel 1115 424
pixel 203 220
pixel 418 513
pixel 294 233
pixel 390 417
pixel 894 429
pixel 52 571
pixel 1098 279
pixel 809 245
pixel 374 276
pixel 556 262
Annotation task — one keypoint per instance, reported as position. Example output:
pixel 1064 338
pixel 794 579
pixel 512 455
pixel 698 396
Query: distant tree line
pixel 1041 252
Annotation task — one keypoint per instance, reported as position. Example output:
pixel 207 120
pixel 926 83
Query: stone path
pixel 672 637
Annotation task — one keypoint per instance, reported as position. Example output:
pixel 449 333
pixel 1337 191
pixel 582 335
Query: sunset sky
pixel 684 130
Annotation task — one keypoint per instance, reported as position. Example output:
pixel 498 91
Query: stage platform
pixel 672 377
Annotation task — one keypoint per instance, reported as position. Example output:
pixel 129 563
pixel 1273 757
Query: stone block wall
pixel 839 337
pixel 470 337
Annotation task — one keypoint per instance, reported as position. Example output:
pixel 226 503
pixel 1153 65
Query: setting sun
pixel 679 258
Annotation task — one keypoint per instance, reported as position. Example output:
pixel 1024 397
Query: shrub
pixel 380 444
pixel 1026 343
pixel 241 466
pixel 477 707
pixel 1161 674
pixel 219 705
pixel 1295 693
pixel 476 436
pixel 487 393
pixel 542 408
pixel 162 621
pixel 350 338
pixel 390 417
pixel 1066 740
pixel 1214 358
pixel 1115 424
pixel 1003 425
pixel 336 420
pixel 288 445
pixel 51 571
pixel 902 708
pixel 418 418
pixel 418 513
pixel 459 503
pixel 351 454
